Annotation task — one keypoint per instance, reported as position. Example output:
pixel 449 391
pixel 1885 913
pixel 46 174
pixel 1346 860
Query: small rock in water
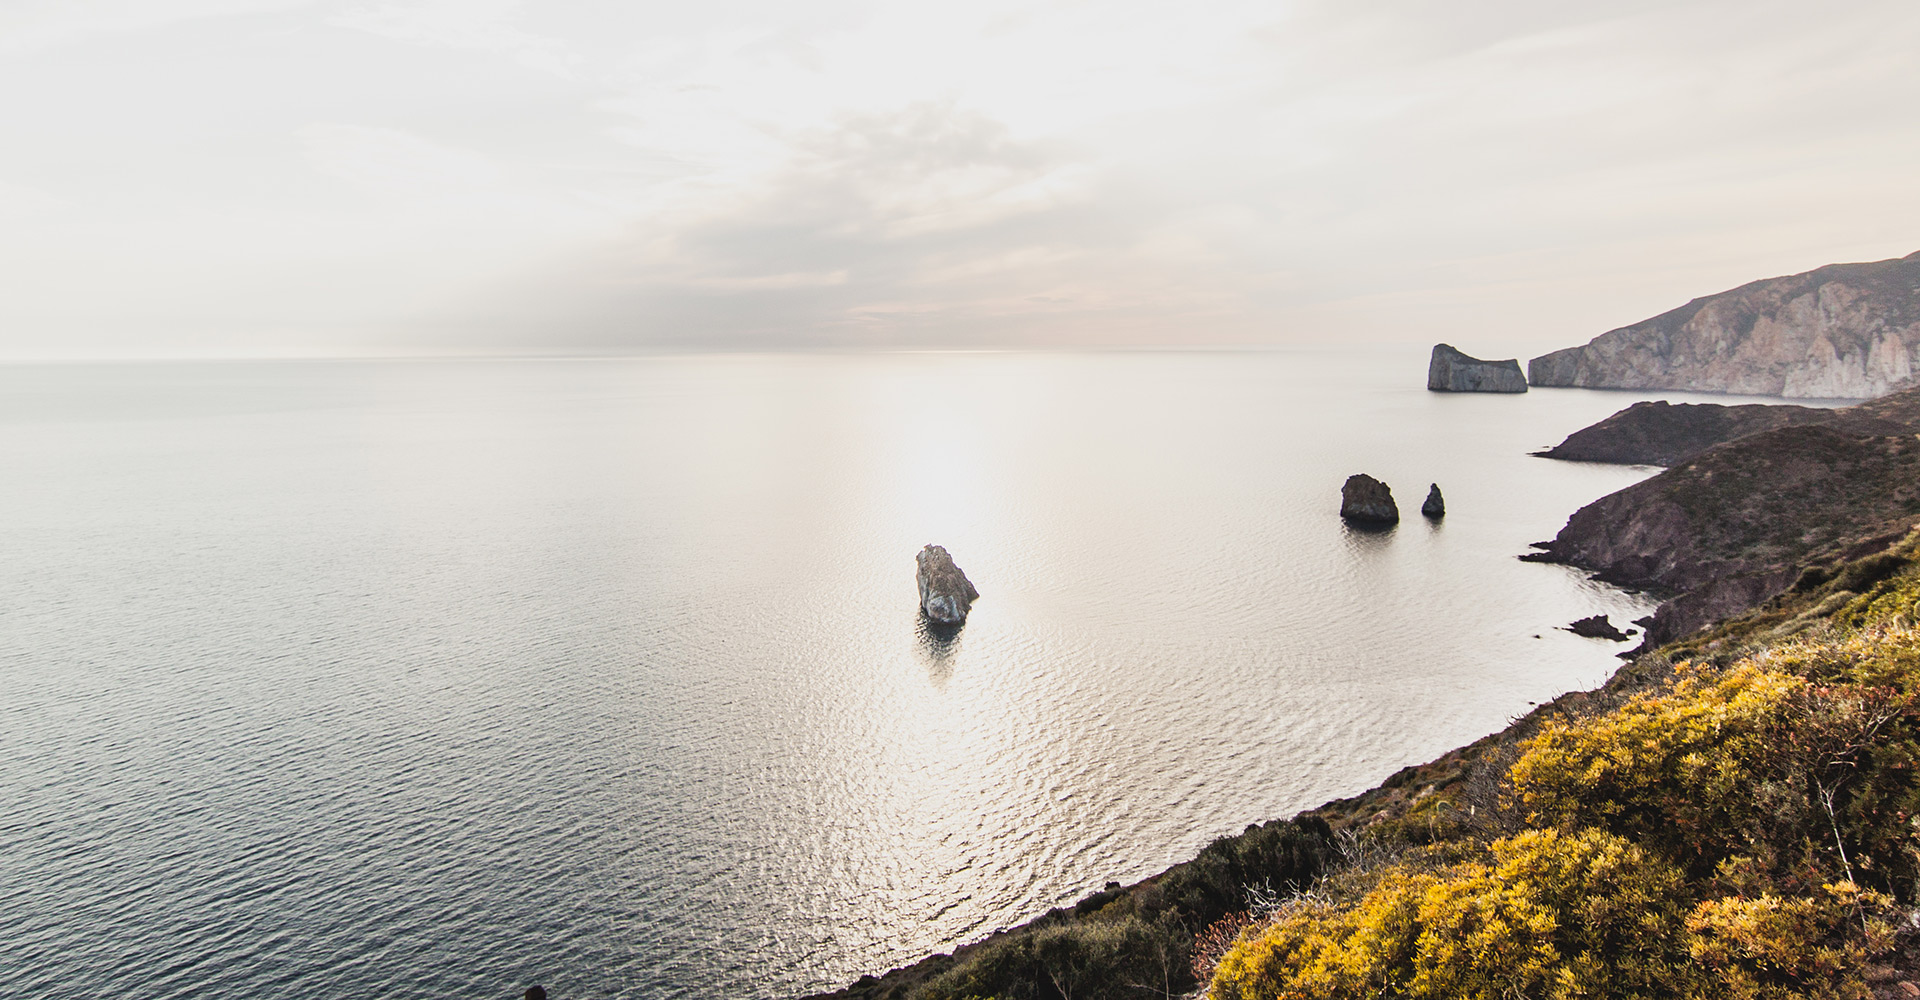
pixel 1435 507
pixel 945 593
pixel 1368 501
pixel 1597 627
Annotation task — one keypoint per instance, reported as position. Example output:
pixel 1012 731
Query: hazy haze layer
pixel 195 177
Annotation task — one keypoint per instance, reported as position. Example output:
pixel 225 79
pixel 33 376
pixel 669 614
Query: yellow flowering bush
pixel 1677 770
pixel 1767 947
pixel 1549 914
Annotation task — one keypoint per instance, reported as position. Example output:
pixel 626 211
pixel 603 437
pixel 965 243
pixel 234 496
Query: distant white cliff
pixel 1844 331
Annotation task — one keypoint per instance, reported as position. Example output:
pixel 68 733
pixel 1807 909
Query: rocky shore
pixel 1734 524
pixel 1166 935
pixel 1794 529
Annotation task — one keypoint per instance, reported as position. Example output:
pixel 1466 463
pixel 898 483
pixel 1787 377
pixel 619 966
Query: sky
pixel 243 178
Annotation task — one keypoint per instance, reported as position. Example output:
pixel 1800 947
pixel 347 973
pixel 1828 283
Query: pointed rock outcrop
pixel 1435 506
pixel 946 595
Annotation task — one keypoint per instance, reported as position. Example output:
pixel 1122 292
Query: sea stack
pixel 1435 507
pixel 1366 500
pixel 945 593
pixel 1452 371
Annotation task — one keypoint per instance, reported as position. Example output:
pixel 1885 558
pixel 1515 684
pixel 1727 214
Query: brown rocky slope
pixel 1662 433
pixel 1731 526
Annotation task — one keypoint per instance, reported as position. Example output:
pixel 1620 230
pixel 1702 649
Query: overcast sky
pixel 275 177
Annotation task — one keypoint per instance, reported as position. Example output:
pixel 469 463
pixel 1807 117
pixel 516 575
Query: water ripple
pixel 443 679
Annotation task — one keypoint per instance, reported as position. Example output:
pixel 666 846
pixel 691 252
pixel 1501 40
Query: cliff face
pixel 1844 331
pixel 1451 371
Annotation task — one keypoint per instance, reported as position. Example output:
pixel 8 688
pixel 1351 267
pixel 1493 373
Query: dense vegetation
pixel 1736 815
pixel 1741 825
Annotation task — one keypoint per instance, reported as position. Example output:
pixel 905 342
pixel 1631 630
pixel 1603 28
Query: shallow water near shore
pixel 442 678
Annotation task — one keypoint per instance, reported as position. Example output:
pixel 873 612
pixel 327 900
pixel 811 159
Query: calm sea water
pixel 439 679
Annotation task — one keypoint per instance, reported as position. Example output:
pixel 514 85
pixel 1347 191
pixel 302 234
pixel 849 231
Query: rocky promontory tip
pixel 1452 371
pixel 946 595
pixel 1366 500
pixel 1661 433
pixel 1435 506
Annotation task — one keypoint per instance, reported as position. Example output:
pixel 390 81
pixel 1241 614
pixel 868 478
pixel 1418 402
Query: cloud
pixel 574 175
pixel 877 229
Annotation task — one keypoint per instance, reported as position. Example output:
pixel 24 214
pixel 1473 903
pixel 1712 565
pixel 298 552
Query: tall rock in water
pixel 1367 500
pixel 1435 506
pixel 946 595
pixel 1451 371
pixel 1844 331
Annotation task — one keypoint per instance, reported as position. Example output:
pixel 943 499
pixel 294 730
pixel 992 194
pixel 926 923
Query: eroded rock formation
pixel 1366 500
pixel 1844 331
pixel 1451 371
pixel 946 595
pixel 1435 506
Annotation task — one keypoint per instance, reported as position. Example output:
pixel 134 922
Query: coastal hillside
pixel 1737 523
pixel 1736 813
pixel 1730 816
pixel 1844 331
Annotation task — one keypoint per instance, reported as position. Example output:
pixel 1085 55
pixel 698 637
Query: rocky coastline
pixel 1766 525
pixel 1735 524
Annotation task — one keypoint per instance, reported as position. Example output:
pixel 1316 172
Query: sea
pixel 444 678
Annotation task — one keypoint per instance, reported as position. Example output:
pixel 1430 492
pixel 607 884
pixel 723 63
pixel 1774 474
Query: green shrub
pixel 1138 943
pixel 1079 960
pixel 1280 857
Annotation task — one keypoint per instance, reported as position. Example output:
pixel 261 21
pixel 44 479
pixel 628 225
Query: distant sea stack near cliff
pixel 1452 371
pixel 1844 331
